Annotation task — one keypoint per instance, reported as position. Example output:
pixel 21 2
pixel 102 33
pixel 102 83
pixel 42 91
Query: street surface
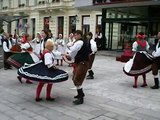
pixel 110 96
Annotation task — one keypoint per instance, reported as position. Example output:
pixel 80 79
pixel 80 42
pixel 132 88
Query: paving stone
pixel 111 114
pixel 21 117
pixel 110 96
pixel 102 118
pixel 147 114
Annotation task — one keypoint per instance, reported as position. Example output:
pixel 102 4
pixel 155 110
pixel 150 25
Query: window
pixel 60 25
pixel 85 24
pixel 72 24
pixel 46 23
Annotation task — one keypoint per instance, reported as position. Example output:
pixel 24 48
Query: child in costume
pixel 44 71
pixel 141 62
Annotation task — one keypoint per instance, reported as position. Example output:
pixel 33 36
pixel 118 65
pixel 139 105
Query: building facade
pixel 60 16
pixel 123 19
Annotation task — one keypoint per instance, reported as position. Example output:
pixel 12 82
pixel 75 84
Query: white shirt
pixel 93 46
pixel 42 46
pixel 5 48
pixel 75 48
pixel 0 40
pixel 48 59
pixel 157 52
pixel 98 35
pixel 135 45
pixel 36 46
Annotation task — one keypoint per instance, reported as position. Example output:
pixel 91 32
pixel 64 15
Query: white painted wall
pixel 23 2
pixel 81 3
pixel 32 2
pixel 5 3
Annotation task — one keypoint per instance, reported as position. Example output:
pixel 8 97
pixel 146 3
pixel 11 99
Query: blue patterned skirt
pixel 40 72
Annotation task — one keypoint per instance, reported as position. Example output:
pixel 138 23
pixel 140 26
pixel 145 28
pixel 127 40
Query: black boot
pixel 156 86
pixel 79 91
pixel 80 96
pixel 90 76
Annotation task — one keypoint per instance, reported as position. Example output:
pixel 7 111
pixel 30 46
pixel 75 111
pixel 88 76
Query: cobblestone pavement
pixel 110 96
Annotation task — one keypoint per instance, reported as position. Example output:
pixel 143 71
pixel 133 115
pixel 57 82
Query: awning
pixel 9 19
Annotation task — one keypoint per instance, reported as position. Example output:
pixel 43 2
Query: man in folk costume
pixel 156 64
pixel 92 51
pixel 134 67
pixel 7 45
pixel 80 53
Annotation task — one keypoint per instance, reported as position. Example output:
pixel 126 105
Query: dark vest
pixel 7 42
pixel 45 40
pixel 83 53
pixel 89 46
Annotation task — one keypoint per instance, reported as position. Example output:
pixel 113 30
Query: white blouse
pixel 93 46
pixel 157 52
pixel 48 59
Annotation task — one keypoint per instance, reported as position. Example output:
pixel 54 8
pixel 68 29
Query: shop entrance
pixel 121 24
pixel 119 34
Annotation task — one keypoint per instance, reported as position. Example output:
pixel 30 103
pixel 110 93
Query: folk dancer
pixel 135 66
pixel 156 64
pixel 43 72
pixel 92 50
pixel 24 56
pixel 80 53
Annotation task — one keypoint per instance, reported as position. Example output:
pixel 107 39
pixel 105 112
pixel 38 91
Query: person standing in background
pixel 92 51
pixel 7 45
pixel 156 64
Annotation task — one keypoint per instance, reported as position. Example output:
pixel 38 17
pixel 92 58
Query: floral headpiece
pixel 140 36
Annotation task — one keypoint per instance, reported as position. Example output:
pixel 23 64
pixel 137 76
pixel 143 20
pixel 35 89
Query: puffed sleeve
pixel 134 46
pixel 147 47
pixel 93 46
pixel 25 46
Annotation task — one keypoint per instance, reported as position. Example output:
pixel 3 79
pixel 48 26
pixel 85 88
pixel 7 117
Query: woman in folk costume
pixel 141 62
pixel 156 64
pixel 44 71
pixel 92 50
pixel 25 56
pixel 36 44
pixel 80 53
pixel 60 43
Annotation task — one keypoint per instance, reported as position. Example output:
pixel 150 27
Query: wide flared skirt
pixel 19 59
pixel 141 63
pixel 40 72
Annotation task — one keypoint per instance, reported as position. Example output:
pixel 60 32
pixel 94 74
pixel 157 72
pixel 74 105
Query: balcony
pixel 54 4
pixel 41 5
